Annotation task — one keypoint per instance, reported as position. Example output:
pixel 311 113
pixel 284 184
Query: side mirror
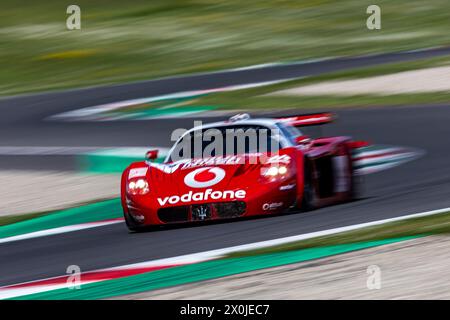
pixel 151 154
pixel 303 140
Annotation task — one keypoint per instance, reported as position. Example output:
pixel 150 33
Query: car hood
pixel 233 173
pixel 180 178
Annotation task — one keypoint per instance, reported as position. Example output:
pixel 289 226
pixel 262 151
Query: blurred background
pixel 125 41
pixel 77 106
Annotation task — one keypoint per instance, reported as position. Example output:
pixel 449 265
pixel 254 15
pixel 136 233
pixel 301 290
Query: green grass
pixel 258 98
pixel 5 220
pixel 438 224
pixel 322 102
pixel 10 219
pixel 125 41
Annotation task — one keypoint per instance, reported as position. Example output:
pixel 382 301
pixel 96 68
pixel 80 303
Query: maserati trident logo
pixel 204 177
pixel 201 212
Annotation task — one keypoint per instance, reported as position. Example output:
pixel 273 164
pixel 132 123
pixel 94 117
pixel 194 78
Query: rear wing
pixel 305 120
pixel 316 119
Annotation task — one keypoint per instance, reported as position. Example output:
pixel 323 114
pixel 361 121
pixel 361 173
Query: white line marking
pixel 129 152
pixel 397 157
pixel 59 230
pixel 68 151
pixel 57 150
pixel 275 242
pixel 377 149
pixel 43 150
pixel 384 161
pixel 92 113
pixel 18 292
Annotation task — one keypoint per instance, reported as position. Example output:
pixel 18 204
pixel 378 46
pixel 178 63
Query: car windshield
pixel 225 141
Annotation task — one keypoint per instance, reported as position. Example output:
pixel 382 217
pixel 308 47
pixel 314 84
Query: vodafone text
pixel 208 194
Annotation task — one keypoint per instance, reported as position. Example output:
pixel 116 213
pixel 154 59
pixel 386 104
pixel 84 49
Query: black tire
pixel 131 224
pixel 357 182
pixel 357 191
pixel 309 192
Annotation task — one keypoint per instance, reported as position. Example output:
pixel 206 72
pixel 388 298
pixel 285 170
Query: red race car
pixel 239 168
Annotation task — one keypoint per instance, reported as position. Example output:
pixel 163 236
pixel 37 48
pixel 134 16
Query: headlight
pixel 138 187
pixel 282 170
pixel 274 171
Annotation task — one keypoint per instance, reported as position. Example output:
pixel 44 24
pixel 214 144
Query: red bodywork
pixel 231 187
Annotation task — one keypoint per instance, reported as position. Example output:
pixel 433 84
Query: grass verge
pixel 10 219
pixel 121 41
pixel 259 98
pixel 430 225
pixel 5 220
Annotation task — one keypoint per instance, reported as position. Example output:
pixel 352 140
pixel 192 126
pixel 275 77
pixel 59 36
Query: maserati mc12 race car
pixel 239 168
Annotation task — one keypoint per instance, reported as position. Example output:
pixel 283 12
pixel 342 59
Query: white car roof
pixel 266 122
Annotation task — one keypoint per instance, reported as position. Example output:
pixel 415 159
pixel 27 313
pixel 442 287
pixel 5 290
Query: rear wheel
pixel 357 191
pixel 357 181
pixel 309 191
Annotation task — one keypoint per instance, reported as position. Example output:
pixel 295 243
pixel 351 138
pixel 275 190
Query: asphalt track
pixel 421 185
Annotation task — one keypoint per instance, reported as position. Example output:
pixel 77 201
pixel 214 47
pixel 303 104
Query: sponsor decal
pixel 218 160
pixel 204 177
pixel 212 161
pixel 279 159
pixel 165 167
pixel 287 187
pixel 271 206
pixel 208 194
pixel 137 172
pixel 193 163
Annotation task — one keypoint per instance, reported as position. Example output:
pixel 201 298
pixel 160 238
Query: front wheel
pixel 131 224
